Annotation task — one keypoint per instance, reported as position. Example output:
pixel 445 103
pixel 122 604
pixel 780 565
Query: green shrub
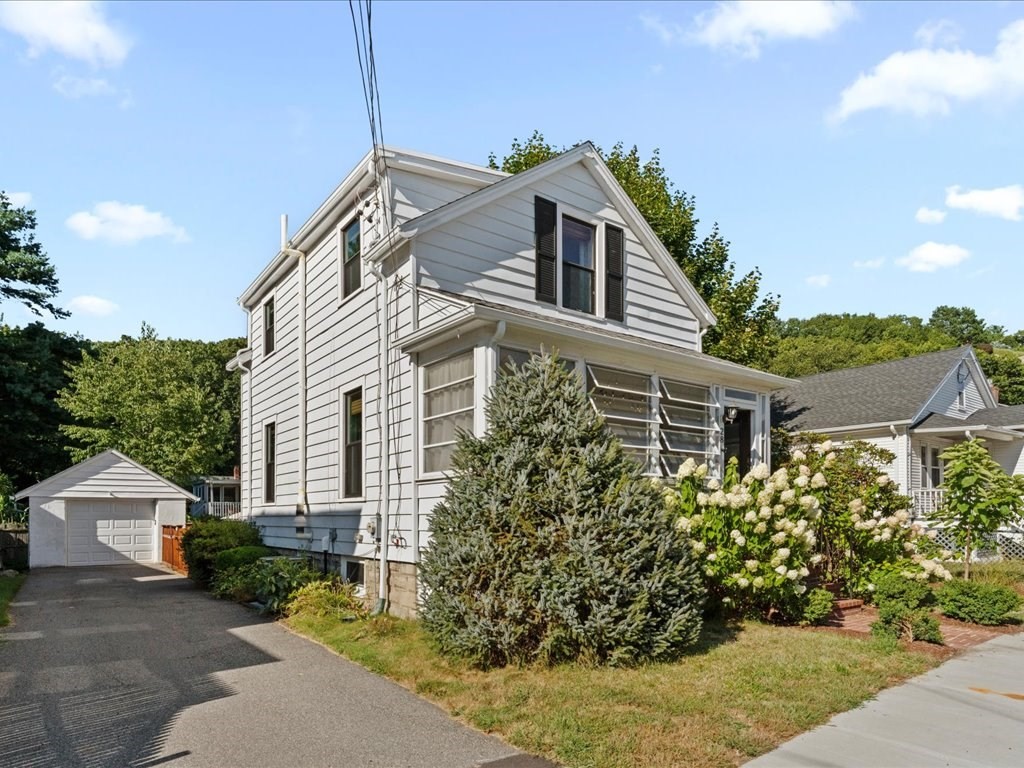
pixel 896 588
pixel 239 584
pixel 977 602
pixel 278 580
pixel 550 545
pixel 902 609
pixel 239 556
pixel 331 598
pixel 206 537
pixel 818 606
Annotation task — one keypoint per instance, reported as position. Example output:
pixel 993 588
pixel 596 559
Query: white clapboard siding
pixel 946 398
pixel 415 195
pixel 489 253
pixel 106 476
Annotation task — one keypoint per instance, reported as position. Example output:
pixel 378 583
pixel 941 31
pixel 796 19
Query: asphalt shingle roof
pixel 1001 416
pixel 871 394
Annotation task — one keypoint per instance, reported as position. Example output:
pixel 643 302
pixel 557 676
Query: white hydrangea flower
pixel 830 459
pixel 779 537
pixel 804 573
pixel 765 513
pixel 783 553
pixel 698 546
pixel 818 481
pixel 750 517
pixel 702 471
pixel 801 482
pixel 751 565
pixel 713 484
pixel 760 472
pixel 792 574
pixel 781 570
pixel 741 541
pixel 779 509
pixel 734 534
pixel 760 527
pixel 804 470
pixel 788 496
pixel 742 583
pixel 800 589
pixel 871 587
pixel 702 499
pixel 816 558
pixel 718 499
pixel 683 524
pixel 883 480
pixel 758 582
pixel 826 446
pixel 712 557
pixel 687 468
pixel 799 455
pixel 764 498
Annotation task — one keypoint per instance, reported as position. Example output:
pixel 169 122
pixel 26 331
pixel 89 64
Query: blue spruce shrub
pixel 550 545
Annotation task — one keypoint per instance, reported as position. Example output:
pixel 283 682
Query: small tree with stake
pixel 980 497
pixel 550 545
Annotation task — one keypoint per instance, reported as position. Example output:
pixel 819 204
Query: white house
pixel 376 330
pixel 916 408
pixel 105 510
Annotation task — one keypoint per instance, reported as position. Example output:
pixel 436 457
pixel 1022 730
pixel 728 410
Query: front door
pixel 739 437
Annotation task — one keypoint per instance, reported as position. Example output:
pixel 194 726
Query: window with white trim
pixel 352 441
pixel 349 248
pixel 269 462
pixel 660 422
pixel 268 326
pixel 448 406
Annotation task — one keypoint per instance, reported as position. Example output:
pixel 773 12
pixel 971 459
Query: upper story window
pixel 577 265
pixel 268 326
pixel 351 263
pixel 448 406
pixel 574 243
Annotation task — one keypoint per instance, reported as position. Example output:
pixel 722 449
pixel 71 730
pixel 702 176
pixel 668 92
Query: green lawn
pixel 738 694
pixel 8 588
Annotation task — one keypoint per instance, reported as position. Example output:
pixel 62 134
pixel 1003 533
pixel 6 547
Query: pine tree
pixel 550 545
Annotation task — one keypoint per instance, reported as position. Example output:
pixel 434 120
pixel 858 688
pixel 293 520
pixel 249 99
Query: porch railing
pixel 927 501
pixel 217 509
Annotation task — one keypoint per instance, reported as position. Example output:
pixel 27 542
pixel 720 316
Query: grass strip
pixel 9 586
pixel 739 693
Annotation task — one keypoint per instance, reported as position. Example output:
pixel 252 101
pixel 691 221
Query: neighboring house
pixel 377 330
pixel 915 407
pixel 103 511
pixel 219 496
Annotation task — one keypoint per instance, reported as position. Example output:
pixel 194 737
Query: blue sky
pixel 866 157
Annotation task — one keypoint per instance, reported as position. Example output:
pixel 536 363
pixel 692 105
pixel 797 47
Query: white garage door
pixel 108 532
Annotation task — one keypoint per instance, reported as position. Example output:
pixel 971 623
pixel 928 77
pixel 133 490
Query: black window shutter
pixel 614 269
pixel 545 226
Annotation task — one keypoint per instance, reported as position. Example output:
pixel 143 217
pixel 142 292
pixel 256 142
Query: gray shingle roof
pixel 1002 416
pixel 871 394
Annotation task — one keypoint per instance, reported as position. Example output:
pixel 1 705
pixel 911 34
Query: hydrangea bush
pixel 829 513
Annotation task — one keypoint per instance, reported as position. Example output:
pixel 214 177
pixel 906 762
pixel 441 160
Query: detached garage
pixel 104 511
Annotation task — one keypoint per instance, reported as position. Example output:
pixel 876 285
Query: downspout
pixel 248 397
pixel 302 503
pixel 700 338
pixel 383 398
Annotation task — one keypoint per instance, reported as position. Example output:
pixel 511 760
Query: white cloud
pixel 868 264
pixel 1004 202
pixel 19 199
pixel 92 305
pixel 667 32
pixel 941 32
pixel 930 257
pixel 123 223
pixel 78 87
pixel 77 30
pixel 818 281
pixel 929 216
pixel 928 81
pixel 743 26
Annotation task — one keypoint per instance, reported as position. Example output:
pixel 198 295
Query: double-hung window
pixel 352 433
pixel 577 265
pixel 269 462
pixel 448 406
pixel 268 326
pixel 567 264
pixel 351 263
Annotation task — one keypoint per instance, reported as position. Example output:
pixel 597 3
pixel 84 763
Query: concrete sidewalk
pixel 965 713
pixel 133 666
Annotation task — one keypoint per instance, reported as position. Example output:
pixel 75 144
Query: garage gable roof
pixel 110 475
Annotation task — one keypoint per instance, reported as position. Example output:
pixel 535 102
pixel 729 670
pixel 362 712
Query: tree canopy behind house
pixel 26 274
pixel 829 342
pixel 33 368
pixel 747 330
pixel 167 403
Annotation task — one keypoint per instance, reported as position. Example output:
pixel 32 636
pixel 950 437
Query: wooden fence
pixel 171 549
pixel 14 545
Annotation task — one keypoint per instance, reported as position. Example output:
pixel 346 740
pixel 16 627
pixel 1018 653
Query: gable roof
pixel 587 154
pixel 1000 416
pixel 893 392
pixel 98 461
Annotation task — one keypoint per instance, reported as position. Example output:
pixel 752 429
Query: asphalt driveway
pixel 133 666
